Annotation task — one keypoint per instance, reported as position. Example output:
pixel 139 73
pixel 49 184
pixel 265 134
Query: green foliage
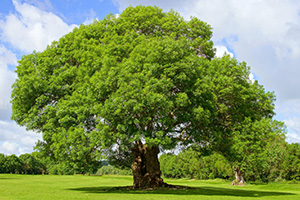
pixel 111 170
pixel 170 166
pixel 146 75
pixel 291 162
pixel 191 164
pixel 60 169
pixel 73 86
pixel 24 164
pixel 68 168
pixel 30 164
pixel 12 164
pixel 38 163
pixel 2 161
pixel 258 149
pixel 268 159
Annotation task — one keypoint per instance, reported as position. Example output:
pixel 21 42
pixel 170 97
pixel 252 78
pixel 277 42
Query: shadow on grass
pixel 207 191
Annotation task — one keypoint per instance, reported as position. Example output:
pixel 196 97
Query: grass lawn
pixel 102 187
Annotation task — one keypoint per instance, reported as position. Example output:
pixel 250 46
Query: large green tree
pixel 131 85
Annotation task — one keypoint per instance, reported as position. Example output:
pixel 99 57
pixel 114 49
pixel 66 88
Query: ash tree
pixel 131 86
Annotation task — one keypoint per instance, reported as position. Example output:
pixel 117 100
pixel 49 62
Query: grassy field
pixel 102 187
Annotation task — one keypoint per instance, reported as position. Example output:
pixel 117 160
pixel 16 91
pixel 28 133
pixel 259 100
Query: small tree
pixel 252 150
pixel 136 83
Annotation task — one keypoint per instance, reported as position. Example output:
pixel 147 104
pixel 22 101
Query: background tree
pixel 291 162
pixel 135 83
pixel 2 161
pixel 253 152
pixel 170 166
pixel 43 162
pixel 274 153
pixel 192 164
pixel 13 164
pixel 112 170
pixel 29 163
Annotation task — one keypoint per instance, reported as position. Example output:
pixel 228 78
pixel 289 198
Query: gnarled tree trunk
pixel 145 167
pixel 239 176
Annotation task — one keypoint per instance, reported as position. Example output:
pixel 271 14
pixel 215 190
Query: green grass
pixel 102 187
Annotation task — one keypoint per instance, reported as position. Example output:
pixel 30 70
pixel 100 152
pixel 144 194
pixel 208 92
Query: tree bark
pixel 239 176
pixel 145 167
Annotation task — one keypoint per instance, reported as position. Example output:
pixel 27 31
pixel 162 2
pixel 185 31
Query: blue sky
pixel 71 11
pixel 264 33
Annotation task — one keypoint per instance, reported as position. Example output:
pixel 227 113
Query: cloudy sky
pixel 264 33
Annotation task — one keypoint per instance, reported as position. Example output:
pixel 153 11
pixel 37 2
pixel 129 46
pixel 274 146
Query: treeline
pixel 37 163
pixel 24 164
pixel 272 166
pixel 284 165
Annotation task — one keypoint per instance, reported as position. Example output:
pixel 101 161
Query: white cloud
pixel 27 29
pixel 267 38
pixel 293 138
pixel 7 78
pixel 31 28
pixel 221 51
pixel 16 139
pixel 7 57
pixel 9 148
pixel 288 108
pixel 294 124
pixel 41 4
pixel 13 139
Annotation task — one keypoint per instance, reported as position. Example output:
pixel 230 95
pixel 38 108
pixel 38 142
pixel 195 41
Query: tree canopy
pixel 131 84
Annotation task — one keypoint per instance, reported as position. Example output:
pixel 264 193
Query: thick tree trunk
pixel 239 177
pixel 145 167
